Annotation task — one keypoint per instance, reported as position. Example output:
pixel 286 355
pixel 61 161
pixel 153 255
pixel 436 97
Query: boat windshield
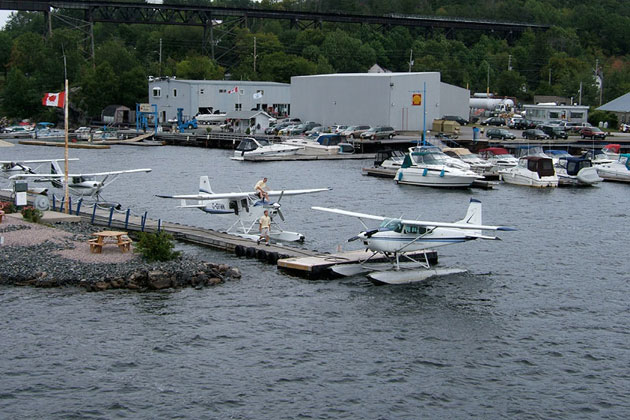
pixel 391 224
pixel 429 158
pixel 623 159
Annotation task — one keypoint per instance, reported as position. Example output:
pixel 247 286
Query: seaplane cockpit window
pixel 392 224
pixel 414 230
pixel 77 179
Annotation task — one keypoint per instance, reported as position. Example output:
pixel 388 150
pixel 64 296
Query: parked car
pixel 554 131
pixel 512 121
pixel 381 132
pixel 315 131
pixel 524 124
pixel 593 133
pixel 535 134
pixel 457 118
pixel 276 128
pixel 337 128
pixel 498 121
pixel 286 130
pixel 499 133
pixel 354 131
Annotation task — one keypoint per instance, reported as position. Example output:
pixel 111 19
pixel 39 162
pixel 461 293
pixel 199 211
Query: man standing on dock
pixel 265 224
pixel 260 188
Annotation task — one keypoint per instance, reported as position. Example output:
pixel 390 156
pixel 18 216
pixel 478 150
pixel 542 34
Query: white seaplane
pixel 396 238
pixel 8 168
pixel 246 208
pixel 79 184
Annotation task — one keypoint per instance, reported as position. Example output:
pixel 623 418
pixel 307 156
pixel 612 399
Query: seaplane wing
pixel 54 176
pixel 463 224
pixel 239 195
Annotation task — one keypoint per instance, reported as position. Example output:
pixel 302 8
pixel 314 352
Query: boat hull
pixel 517 178
pixel 433 178
pixel 613 172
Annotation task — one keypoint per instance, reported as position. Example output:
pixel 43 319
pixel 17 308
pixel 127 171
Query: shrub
pixel 32 214
pixel 7 207
pixel 156 247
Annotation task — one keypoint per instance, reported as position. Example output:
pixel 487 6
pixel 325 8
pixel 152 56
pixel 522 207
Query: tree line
pixel 586 40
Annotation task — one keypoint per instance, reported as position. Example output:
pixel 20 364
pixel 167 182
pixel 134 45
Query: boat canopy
pixel 612 148
pixel 428 156
pixel 557 153
pixel 495 151
pixel 573 164
pixel 624 159
pixel 329 139
pixel 541 165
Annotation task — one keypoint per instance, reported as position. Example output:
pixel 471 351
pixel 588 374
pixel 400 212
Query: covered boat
pixel 499 158
pixel 576 171
pixel 616 171
pixel 427 166
pixel 251 147
pixel 531 171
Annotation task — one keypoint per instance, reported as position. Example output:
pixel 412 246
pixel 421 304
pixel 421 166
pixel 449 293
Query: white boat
pixel 531 171
pixel 576 171
pixel 607 155
pixel 389 159
pixel 477 164
pixel 616 171
pixel 452 161
pixel 427 166
pixel 324 144
pixel 210 119
pixel 251 147
pixel 499 158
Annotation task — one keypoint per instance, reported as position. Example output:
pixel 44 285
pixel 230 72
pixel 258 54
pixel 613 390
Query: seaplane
pixel 245 208
pixel 8 168
pixel 397 238
pixel 79 184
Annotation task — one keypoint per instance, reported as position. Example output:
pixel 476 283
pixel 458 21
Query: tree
pixel 199 68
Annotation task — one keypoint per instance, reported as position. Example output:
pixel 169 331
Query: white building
pixel 547 112
pixel 391 99
pixel 214 96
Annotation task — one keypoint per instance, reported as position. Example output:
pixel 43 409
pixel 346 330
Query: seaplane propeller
pixel 365 234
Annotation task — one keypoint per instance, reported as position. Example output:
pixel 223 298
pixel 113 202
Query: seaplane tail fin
pixel 473 216
pixel 55 169
pixel 204 185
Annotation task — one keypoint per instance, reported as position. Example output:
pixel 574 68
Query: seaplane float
pixel 397 239
pixel 244 209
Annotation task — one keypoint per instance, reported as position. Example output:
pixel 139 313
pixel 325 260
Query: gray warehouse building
pixel 214 96
pixel 392 99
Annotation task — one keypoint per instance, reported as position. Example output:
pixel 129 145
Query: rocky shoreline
pixel 43 256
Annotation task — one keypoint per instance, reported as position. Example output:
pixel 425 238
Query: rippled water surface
pixel 538 327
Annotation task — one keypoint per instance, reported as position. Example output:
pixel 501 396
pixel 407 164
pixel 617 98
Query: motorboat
pixel 389 159
pixel 499 158
pixel 452 161
pixel 607 155
pixel 251 147
pixel 576 171
pixel 531 171
pixel 428 166
pixel 477 164
pixel 616 171
pixel 324 144
pixel 528 150
pixel 556 155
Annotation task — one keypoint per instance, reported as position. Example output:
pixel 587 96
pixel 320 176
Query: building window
pixel 577 115
pixel 221 90
pixel 157 92
pixel 174 93
pixel 201 91
pixel 554 115
pixel 237 107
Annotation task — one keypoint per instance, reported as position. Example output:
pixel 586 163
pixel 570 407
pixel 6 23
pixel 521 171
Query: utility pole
pixel 488 82
pixel 255 55
pixel 410 60
pixel 510 62
pixel 580 100
pixel 549 76
pixel 160 72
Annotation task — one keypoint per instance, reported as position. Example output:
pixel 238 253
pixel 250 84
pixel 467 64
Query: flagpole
pixel 65 156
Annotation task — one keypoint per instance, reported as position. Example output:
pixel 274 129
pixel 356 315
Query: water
pixel 538 328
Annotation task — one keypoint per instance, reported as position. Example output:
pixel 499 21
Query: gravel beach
pixel 44 256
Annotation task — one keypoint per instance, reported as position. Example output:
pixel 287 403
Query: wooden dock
pixel 71 145
pixel 390 173
pixel 342 156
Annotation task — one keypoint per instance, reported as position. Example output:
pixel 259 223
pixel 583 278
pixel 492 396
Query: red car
pixel 593 133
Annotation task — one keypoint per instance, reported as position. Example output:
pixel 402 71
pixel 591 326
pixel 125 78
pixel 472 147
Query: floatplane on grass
pixel 84 185
pixel 245 208
pixel 398 238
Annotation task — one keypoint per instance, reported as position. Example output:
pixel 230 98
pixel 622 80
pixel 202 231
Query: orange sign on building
pixel 416 99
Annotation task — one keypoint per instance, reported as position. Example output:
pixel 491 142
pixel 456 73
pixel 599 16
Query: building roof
pixel 620 104
pixel 244 115
pixel 110 110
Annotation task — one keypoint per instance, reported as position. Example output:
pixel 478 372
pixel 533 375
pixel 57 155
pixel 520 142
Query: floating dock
pixel 72 145
pixel 341 156
pixel 297 261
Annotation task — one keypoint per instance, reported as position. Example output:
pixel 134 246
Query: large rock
pixel 159 279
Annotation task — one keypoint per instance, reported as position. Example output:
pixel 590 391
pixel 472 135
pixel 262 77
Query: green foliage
pixel 32 214
pixel 595 117
pixel 156 247
pixel 7 207
pixel 199 68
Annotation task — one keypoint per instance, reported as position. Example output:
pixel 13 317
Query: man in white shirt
pixel 260 188
pixel 265 224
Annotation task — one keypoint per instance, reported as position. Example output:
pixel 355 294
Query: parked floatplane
pixel 396 238
pixel 244 208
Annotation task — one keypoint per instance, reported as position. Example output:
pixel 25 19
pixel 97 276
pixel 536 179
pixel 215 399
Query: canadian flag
pixel 54 99
pixel 235 90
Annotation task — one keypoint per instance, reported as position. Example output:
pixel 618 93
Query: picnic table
pixel 110 237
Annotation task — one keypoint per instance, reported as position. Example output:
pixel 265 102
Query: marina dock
pixel 305 263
